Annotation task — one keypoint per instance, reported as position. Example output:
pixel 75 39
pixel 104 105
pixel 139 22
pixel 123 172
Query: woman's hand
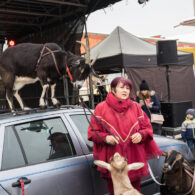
pixel 136 138
pixel 149 105
pixel 111 139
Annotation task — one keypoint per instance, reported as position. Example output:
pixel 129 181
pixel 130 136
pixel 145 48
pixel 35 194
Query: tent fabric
pixel 139 58
pixel 122 49
pixel 181 82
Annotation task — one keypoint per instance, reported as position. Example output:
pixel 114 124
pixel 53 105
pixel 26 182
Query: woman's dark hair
pixel 123 80
pixel 142 97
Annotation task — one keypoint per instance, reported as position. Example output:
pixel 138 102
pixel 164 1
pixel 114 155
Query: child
pixel 188 129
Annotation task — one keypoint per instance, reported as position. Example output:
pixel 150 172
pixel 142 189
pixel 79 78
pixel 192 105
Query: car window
pixel 82 125
pixel 12 154
pixel 39 141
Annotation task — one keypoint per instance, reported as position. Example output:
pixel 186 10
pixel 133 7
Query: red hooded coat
pixel 123 118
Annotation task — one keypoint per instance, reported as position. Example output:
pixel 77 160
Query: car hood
pixel 166 144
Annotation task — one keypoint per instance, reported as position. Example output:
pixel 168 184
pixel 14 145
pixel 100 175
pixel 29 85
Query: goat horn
pixel 95 74
pixel 164 154
pixel 87 56
pixel 94 60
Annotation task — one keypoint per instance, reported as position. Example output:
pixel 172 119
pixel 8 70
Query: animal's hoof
pixel 43 107
pixel 57 105
pixel 14 112
pixel 26 108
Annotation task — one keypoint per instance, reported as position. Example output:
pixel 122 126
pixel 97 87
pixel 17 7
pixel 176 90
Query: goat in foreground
pixel 178 175
pixel 119 172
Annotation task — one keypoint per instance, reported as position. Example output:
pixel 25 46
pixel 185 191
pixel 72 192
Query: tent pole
pixel 90 77
pixel 168 82
pixel 123 72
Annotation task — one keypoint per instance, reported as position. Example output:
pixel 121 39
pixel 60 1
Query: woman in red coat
pixel 131 127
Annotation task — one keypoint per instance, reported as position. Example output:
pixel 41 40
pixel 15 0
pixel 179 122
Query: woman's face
pixel 144 92
pixel 122 91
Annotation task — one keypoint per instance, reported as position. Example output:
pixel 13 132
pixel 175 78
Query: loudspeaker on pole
pixel 166 52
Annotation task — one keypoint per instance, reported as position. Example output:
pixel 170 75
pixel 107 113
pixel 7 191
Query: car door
pixel 79 123
pixel 28 152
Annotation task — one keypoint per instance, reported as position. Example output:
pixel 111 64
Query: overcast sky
pixel 157 17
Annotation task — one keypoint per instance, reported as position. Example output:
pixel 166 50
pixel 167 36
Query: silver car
pixel 47 151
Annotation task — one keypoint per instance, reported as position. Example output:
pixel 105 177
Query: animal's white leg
pixel 53 99
pixel 42 101
pixel 10 102
pixel 19 99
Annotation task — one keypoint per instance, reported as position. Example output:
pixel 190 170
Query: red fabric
pixel 110 186
pixel 123 118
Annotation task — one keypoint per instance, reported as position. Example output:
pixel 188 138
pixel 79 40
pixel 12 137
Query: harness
pixel 42 54
pixel 191 173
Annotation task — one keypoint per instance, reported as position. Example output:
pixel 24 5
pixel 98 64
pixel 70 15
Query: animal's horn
pixel 95 74
pixel 164 154
pixel 87 57
pixel 94 60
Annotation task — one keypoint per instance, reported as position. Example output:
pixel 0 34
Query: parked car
pixel 49 151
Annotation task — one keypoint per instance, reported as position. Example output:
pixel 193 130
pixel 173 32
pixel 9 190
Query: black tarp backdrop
pixel 139 58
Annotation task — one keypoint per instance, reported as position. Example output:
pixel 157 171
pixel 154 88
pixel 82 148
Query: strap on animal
pixel 22 186
pixel 68 71
pixel 152 175
pixel 53 56
pixel 193 180
pixel 54 59
pixel 85 106
pixel 41 53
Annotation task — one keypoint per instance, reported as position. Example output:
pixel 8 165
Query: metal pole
pixel 168 82
pixel 90 77
pixel 92 104
pixel 123 72
pixel 194 6
pixel 66 90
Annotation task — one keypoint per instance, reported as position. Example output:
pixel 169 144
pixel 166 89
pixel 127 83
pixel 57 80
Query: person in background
pixel 132 130
pixel 188 129
pixel 59 145
pixel 149 103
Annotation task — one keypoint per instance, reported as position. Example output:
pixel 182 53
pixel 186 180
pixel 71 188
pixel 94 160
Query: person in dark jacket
pixel 188 129
pixel 132 132
pixel 149 102
pixel 60 146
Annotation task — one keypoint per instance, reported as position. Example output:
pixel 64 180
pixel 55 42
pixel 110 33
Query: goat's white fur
pixel 121 183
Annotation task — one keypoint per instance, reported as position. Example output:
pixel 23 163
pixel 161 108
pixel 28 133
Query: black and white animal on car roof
pixel 27 63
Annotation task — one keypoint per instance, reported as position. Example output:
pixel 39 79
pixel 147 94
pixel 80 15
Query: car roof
pixel 21 114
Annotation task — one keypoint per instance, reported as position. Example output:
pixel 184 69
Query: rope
pixel 22 186
pixel 152 175
pixel 85 106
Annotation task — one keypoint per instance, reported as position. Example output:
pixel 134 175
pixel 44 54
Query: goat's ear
pixel 165 154
pixel 135 166
pixel 102 164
